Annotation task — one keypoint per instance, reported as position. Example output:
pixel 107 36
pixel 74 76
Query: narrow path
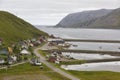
pixel 43 60
pixel 13 65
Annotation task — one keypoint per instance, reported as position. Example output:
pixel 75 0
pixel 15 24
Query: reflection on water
pixel 85 56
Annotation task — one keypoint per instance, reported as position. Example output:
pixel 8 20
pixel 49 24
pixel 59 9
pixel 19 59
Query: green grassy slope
pixel 13 28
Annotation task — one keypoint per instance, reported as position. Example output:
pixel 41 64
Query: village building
pixel 24 46
pixel 2 61
pixel 1 41
pixel 41 40
pixel 4 52
pixel 10 61
pixel 55 41
pixel 52 36
pixel 33 39
pixel 55 57
pixel 14 58
pixel 35 61
pixel 52 59
pixel 25 52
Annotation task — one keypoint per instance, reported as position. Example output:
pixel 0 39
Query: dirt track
pixel 43 60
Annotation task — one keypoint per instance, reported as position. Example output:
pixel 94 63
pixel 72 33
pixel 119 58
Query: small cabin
pixel 52 59
pixel 56 41
pixel 24 46
pixel 35 61
pixel 1 41
pixel 4 52
pixel 25 52
pixel 14 58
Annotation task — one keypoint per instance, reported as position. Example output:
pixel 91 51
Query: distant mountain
pixel 13 28
pixel 112 20
pixel 82 19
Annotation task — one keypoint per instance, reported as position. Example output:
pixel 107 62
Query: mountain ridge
pixel 112 20
pixel 83 19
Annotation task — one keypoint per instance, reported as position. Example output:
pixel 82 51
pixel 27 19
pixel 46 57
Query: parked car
pixel 35 61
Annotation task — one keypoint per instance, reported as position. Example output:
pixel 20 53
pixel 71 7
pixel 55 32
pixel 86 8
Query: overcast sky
pixel 50 12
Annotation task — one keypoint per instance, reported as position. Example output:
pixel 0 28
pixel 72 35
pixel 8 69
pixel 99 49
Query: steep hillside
pixel 13 28
pixel 112 20
pixel 82 19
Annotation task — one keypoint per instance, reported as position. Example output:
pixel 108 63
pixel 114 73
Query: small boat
pixel 75 45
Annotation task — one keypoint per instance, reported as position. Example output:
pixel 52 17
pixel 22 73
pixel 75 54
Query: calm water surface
pixel 102 66
pixel 95 34
pixel 85 56
pixel 102 34
pixel 95 46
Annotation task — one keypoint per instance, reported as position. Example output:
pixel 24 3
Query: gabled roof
pixel 24 51
pixel 4 51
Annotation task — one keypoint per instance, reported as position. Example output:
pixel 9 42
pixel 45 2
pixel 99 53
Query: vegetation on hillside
pixel 13 28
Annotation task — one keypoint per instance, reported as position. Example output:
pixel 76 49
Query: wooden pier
pixel 102 60
pixel 90 40
pixel 113 53
pixel 116 53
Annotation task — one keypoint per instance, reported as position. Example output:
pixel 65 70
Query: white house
pixel 25 52
pixel 2 61
pixel 25 46
pixel 14 58
pixel 35 61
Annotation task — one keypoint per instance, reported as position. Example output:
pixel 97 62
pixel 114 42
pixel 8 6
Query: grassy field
pixel 96 75
pixel 43 53
pixel 72 62
pixel 29 72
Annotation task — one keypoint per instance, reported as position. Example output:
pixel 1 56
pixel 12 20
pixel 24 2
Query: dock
pixel 90 40
pixel 116 53
pixel 102 60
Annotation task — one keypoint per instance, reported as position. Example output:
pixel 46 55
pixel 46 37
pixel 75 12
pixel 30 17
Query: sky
pixel 50 12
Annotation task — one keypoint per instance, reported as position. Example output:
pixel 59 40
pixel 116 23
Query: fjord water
pixel 94 34
pixel 95 46
pixel 86 56
pixel 102 66
pixel 78 33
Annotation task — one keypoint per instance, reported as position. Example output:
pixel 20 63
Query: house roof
pixel 4 51
pixel 24 51
pixel 1 59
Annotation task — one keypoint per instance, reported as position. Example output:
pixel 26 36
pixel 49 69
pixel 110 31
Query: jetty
pixel 116 53
pixel 90 40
